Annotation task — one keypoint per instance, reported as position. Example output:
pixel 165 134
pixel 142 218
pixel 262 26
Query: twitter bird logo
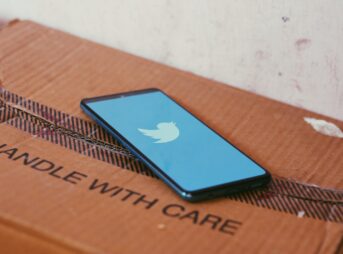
pixel 165 132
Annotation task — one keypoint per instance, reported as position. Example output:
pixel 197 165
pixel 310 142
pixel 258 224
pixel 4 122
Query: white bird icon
pixel 165 132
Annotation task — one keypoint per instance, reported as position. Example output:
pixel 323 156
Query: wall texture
pixel 287 50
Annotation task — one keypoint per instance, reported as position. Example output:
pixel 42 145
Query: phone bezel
pixel 202 194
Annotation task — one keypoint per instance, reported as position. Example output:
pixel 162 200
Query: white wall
pixel 288 50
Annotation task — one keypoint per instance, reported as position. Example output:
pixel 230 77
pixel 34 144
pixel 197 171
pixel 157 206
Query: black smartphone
pixel 184 152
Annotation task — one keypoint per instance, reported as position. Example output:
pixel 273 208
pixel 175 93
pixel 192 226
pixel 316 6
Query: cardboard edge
pixel 15 235
pixel 6 24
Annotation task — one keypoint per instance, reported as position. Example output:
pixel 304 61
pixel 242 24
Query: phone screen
pixel 180 145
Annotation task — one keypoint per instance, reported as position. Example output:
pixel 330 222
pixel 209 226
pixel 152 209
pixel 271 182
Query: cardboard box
pixel 68 187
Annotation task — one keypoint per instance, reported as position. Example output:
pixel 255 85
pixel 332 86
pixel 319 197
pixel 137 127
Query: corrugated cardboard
pixel 67 187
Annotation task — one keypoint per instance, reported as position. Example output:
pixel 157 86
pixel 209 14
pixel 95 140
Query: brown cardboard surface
pixel 77 216
pixel 57 211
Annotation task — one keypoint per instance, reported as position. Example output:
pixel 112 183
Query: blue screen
pixel 179 144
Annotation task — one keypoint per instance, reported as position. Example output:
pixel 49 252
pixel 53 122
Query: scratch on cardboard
pixel 324 127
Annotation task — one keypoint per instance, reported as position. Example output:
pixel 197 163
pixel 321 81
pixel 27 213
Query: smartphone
pixel 189 156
